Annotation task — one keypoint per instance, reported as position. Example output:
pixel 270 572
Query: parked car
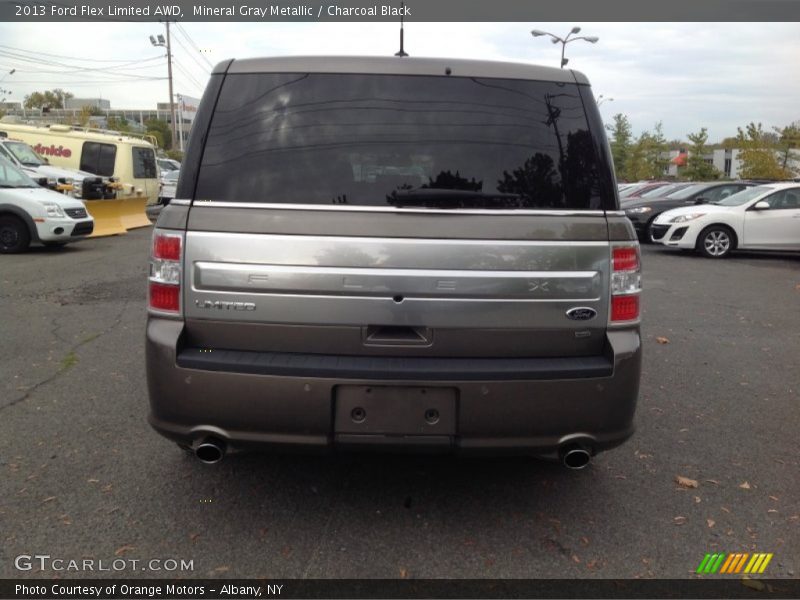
pixel 79 184
pixel 31 213
pixel 165 165
pixel 659 192
pixel 169 182
pixel 334 286
pixel 640 189
pixel 643 212
pixel 765 217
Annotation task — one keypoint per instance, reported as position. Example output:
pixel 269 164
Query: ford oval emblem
pixel 581 313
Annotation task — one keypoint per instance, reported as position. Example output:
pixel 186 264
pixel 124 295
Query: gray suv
pixel 395 253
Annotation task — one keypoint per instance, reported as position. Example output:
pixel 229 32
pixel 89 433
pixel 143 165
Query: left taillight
pixel 166 255
pixel 626 282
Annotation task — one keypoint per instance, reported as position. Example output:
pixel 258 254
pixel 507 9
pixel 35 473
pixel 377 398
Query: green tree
pixel 621 140
pixel 120 124
pixel 55 98
pixel 757 154
pixel 697 169
pixel 656 153
pixel 160 129
pixel 636 166
pixel 789 148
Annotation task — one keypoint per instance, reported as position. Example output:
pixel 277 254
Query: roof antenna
pixel 402 52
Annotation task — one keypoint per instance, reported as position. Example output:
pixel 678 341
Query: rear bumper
pixel 527 406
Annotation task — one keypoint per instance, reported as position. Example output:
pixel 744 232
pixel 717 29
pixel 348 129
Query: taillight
pixel 626 282
pixel 164 294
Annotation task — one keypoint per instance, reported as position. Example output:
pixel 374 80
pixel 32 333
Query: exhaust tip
pixel 575 457
pixel 210 451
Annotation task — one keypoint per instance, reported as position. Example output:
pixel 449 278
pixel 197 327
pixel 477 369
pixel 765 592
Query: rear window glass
pixel 98 159
pixel 144 163
pixel 383 140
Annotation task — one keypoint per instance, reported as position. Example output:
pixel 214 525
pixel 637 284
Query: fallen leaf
pixel 662 340
pixel 714 481
pixel 193 537
pixel 686 482
pixel 403 573
pixel 697 500
pixel 711 522
pixel 92 481
pixel 585 541
pixel 107 489
pixel 679 520
pixel 753 583
pixel 727 510
pixel 744 486
pixel 592 564
pixel 123 549
pixel 772 510
pixel 48 499
pixel 575 558
pixel 773 498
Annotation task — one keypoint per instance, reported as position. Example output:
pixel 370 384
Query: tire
pixel 14 235
pixel 716 241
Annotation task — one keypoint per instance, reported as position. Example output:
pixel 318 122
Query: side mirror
pixel 761 205
pixel 701 200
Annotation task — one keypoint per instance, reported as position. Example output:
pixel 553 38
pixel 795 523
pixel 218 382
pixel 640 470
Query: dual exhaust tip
pixel 211 451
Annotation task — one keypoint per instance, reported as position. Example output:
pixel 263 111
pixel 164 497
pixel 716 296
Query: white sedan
pixel 765 217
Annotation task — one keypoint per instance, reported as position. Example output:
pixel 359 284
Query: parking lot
pixel 83 475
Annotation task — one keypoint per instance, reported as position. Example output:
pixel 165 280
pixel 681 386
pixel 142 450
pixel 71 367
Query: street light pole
pixel 565 40
pixel 161 42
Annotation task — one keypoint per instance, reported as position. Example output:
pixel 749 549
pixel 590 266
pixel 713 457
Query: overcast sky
pixel 688 75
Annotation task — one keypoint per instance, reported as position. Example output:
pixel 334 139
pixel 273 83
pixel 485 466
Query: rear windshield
pixel 389 140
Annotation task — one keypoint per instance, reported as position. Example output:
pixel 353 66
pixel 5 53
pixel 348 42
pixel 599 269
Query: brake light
pixel 626 282
pixel 165 272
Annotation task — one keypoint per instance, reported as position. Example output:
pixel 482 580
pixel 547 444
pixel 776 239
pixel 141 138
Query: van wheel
pixel 14 235
pixel 716 241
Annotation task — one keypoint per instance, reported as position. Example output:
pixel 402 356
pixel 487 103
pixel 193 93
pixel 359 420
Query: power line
pixel 189 39
pixel 191 55
pixel 36 53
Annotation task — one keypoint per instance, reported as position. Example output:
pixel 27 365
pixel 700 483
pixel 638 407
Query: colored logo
pixel 741 562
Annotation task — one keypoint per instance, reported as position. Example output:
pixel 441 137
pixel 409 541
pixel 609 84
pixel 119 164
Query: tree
pixel 620 143
pixel 160 130
pixel 120 124
pixel 697 169
pixel 789 148
pixel 55 98
pixel 647 157
pixel 757 154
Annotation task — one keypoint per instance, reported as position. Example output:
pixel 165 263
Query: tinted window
pixel 144 163
pixel 98 158
pixel 401 141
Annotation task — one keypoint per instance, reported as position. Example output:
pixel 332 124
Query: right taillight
pixel 164 293
pixel 626 282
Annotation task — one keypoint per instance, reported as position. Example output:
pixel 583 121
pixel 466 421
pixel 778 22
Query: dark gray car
pixel 395 253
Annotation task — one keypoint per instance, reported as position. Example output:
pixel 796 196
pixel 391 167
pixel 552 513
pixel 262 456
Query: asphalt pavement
pixel 82 475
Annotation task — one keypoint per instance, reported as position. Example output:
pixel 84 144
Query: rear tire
pixel 716 241
pixel 14 235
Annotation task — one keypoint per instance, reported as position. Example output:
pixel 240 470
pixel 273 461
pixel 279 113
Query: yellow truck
pixel 129 159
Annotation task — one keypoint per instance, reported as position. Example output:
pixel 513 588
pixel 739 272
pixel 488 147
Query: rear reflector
pixel 165 297
pixel 625 308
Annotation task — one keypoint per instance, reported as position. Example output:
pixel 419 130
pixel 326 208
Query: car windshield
pixel 745 195
pixel 172 176
pixel 25 154
pixel 12 177
pixel 686 192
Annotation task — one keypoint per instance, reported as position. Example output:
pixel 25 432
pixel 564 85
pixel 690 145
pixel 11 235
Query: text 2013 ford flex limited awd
pixel 397 254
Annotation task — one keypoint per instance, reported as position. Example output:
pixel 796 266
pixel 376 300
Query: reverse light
pixel 626 282
pixel 164 294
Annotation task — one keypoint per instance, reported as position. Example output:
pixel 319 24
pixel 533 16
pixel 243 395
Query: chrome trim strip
pixel 180 202
pixel 394 241
pixel 390 209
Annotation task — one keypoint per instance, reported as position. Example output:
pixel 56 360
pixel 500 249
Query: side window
pixel 98 158
pixel 144 163
pixel 721 192
pixel 784 200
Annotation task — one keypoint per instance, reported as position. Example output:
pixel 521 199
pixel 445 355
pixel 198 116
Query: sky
pixel 686 75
